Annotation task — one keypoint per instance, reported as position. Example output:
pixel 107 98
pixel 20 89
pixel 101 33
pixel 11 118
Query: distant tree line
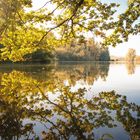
pixel 82 50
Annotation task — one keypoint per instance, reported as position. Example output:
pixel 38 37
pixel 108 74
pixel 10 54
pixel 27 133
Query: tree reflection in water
pixel 131 67
pixel 64 114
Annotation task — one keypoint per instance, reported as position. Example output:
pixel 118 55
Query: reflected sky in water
pixel 120 79
pixel 84 101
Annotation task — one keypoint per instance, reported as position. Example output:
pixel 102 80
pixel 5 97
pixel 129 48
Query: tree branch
pixel 60 24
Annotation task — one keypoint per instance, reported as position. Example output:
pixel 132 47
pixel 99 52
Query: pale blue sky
pixel 121 49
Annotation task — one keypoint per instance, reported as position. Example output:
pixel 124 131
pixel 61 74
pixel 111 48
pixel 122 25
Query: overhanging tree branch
pixel 64 21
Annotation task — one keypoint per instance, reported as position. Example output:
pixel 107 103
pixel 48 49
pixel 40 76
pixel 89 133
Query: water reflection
pixel 61 112
pixel 71 72
pixel 130 67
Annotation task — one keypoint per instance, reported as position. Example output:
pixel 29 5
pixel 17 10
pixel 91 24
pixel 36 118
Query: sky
pixel 121 49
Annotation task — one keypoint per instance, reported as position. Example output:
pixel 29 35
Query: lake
pixel 70 101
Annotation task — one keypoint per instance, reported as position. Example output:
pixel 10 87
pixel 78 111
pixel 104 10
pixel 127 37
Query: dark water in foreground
pixel 86 101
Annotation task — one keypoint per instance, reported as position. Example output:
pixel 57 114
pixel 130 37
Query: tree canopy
pixel 24 30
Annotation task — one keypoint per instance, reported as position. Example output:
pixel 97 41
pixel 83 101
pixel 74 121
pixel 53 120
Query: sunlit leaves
pixel 27 29
pixel 127 24
pixel 24 42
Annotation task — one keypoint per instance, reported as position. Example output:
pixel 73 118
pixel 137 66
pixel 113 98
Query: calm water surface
pixel 70 101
